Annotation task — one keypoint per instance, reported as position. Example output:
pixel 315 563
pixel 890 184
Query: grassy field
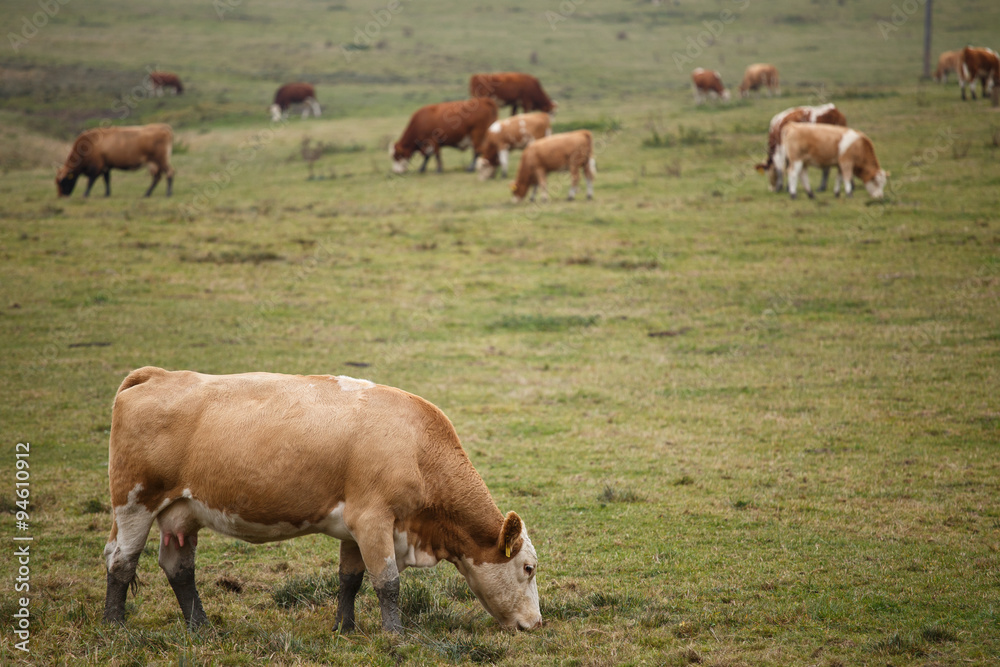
pixel 742 430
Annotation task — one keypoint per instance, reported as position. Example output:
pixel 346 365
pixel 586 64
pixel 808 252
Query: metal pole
pixel 928 12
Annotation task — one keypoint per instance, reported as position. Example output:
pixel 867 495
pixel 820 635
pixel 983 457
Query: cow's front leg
pixel 177 560
pixel 543 183
pixel 379 554
pixel 793 178
pixel 156 179
pixel 824 179
pixel 352 575
pixel 504 161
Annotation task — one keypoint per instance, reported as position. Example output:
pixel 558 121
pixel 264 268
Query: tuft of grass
pixel 309 590
pixel 615 494
pixel 94 506
pixel 544 323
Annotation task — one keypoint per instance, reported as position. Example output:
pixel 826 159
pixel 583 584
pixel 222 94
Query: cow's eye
pixel 529 570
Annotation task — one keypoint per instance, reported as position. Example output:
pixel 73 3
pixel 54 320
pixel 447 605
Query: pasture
pixel 741 430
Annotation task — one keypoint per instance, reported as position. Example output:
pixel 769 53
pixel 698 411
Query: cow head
pixel 484 168
pixel 876 186
pixel 505 584
pixel 400 158
pixel 66 181
pixel 275 112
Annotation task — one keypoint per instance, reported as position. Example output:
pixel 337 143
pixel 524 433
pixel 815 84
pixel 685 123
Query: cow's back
pixel 267 447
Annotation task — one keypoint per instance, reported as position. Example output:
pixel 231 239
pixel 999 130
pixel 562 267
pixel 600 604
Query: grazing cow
pixel 775 164
pixel 512 88
pixel 503 135
pixel 571 151
pixel 809 144
pixel 949 62
pixel 706 84
pixel 294 93
pixel 264 457
pixel 982 64
pixel 96 152
pixel 160 80
pixel 760 76
pixel 458 124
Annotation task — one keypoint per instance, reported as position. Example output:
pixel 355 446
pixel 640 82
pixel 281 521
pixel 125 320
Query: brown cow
pixel 808 144
pixel 949 62
pixel 294 93
pixel 982 64
pixel 707 83
pixel 160 80
pixel 571 151
pixel 760 76
pixel 512 88
pixel 264 457
pixel 96 152
pixel 460 124
pixel 503 135
pixel 775 164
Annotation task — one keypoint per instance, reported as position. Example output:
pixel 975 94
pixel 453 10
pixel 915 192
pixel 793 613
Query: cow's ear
pixel 510 535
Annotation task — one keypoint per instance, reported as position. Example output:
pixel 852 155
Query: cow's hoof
pixel 793 195
pixel 811 195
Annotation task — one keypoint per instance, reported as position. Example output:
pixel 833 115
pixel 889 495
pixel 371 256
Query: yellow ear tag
pixel 508 551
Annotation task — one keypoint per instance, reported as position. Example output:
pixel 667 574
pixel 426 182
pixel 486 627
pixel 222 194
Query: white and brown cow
pixel 572 151
pixel 774 165
pixel 461 125
pixel 949 62
pixel 291 94
pixel 158 81
pixel 760 76
pixel 506 135
pixel 96 152
pixel 706 84
pixel 982 64
pixel 265 457
pixel 808 144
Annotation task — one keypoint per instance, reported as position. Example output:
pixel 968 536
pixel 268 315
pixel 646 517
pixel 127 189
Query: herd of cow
pixel 375 467
pixel 474 123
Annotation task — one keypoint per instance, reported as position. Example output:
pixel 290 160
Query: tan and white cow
pixel 566 151
pixel 264 457
pixel 707 83
pixel 949 62
pixel 505 135
pixel 982 64
pixel 774 165
pixel 811 145
pixel 758 76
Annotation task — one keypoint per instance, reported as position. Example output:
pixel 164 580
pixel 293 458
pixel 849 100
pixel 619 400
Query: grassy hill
pixel 742 430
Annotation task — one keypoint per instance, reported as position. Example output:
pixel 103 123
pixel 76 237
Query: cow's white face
pixel 507 590
pixel 275 112
pixel 399 164
pixel 484 168
pixel 876 186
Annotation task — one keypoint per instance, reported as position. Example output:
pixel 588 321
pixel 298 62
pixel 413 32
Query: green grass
pixel 741 430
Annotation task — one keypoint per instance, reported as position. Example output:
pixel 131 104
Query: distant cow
pixel 707 83
pixel 808 144
pixel 504 135
pixel 982 64
pixel 760 76
pixel 160 80
pixel 827 114
pixel 294 93
pixel 513 89
pixel 264 457
pixel 461 125
pixel 572 151
pixel 96 152
pixel 949 62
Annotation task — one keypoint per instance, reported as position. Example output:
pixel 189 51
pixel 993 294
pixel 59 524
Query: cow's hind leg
pixel 129 531
pixel 574 175
pixel 178 543
pixel 352 575
pixel 156 179
pixel 824 179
